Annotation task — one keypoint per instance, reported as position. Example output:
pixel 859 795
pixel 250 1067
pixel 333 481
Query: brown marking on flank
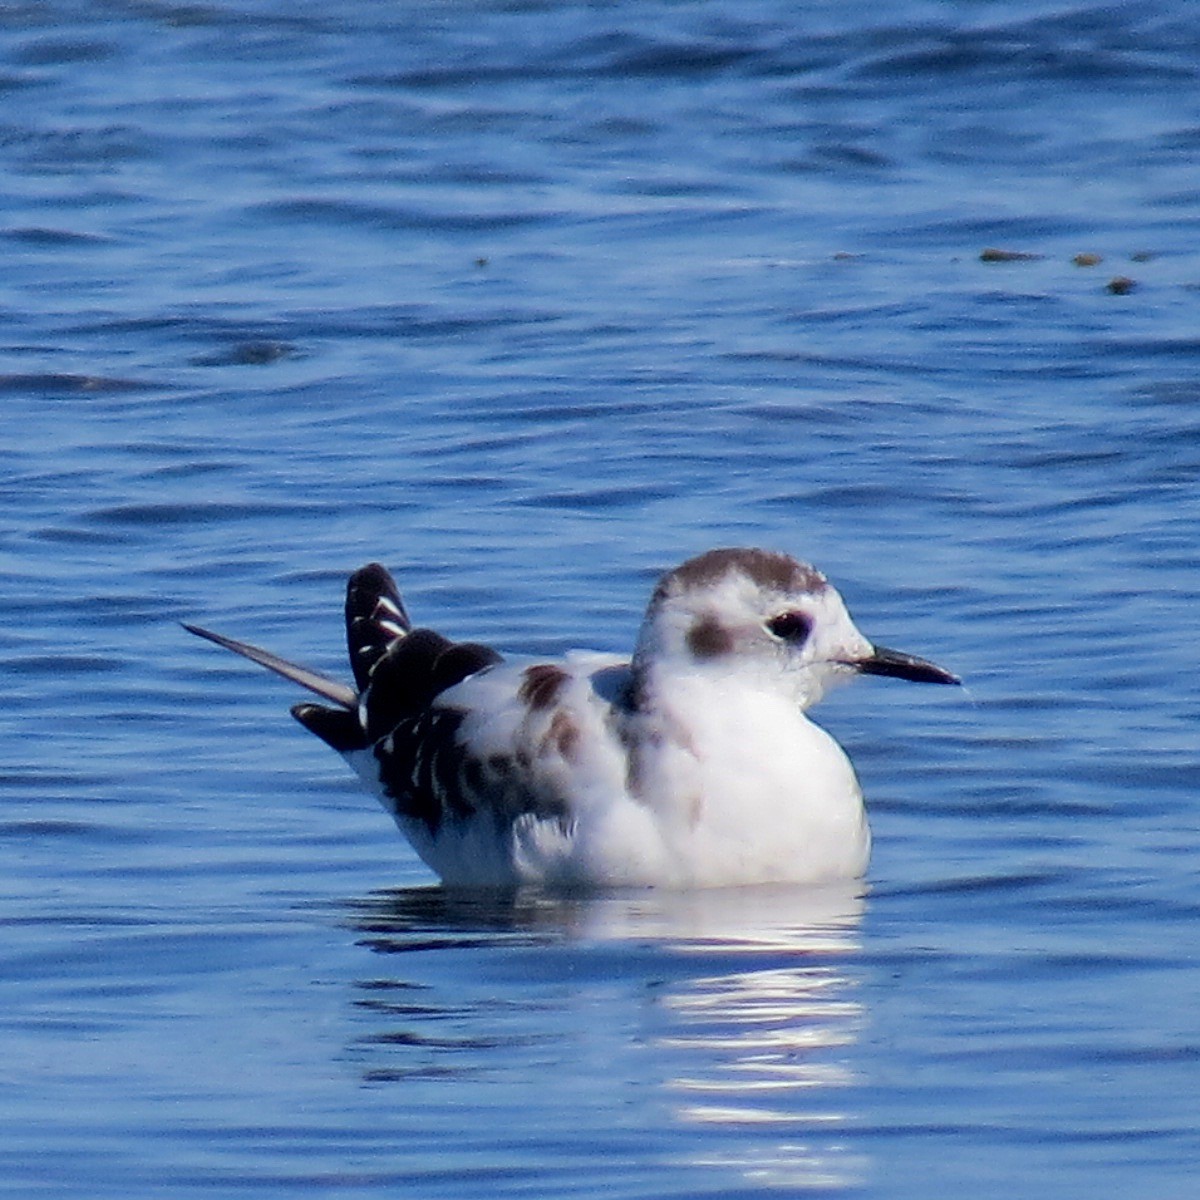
pixel 564 733
pixel 767 568
pixel 635 770
pixel 541 684
pixel 708 638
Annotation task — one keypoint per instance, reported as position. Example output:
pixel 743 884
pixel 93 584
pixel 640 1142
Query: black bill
pixel 904 666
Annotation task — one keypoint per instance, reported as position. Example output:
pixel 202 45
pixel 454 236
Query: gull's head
pixel 764 619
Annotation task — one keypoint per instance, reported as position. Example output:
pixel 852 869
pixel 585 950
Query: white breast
pixel 748 790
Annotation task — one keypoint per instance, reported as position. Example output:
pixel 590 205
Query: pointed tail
pixel 341 695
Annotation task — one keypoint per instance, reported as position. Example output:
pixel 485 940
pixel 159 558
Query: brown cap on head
pixel 767 568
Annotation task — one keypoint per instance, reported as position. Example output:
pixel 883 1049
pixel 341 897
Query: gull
pixel 691 764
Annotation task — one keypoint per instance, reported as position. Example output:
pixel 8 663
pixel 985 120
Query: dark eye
pixel 791 626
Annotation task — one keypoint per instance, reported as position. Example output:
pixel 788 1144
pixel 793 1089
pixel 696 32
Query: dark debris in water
pixel 994 255
pixel 1119 285
pixel 50 382
pixel 247 354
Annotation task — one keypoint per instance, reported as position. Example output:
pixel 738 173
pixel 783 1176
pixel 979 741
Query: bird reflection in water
pixel 727 1012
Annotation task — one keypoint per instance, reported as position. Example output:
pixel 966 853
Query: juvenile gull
pixel 692 764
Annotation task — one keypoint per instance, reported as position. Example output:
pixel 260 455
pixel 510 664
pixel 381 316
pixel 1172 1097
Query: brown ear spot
pixel 708 638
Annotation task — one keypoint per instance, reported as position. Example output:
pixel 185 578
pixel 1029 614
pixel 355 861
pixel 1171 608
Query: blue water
pixel 530 301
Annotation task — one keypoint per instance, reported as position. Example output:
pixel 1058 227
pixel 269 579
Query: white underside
pixel 734 787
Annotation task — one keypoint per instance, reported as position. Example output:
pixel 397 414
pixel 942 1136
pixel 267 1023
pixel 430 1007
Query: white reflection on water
pixel 762 1042
pixel 734 1006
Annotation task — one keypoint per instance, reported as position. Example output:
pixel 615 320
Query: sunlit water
pixel 529 302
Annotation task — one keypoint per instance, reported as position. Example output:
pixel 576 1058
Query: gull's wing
pixel 456 741
pixel 509 741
